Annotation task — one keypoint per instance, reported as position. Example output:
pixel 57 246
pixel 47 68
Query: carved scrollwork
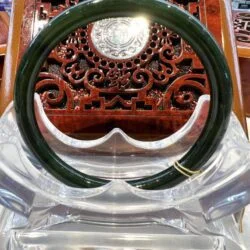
pixel 167 69
pixel 242 27
pixel 184 92
pixel 54 91
pixel 94 79
pixel 150 70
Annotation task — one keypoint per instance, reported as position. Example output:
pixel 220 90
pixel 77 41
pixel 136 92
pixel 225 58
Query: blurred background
pixel 5 5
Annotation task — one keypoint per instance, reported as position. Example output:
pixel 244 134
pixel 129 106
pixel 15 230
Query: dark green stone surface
pixel 170 16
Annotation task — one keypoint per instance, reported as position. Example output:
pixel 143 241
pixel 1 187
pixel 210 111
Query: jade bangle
pixel 166 14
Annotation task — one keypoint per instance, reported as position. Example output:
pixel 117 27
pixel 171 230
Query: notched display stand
pixel 39 212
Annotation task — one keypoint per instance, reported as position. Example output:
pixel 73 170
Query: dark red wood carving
pixel 164 80
pixel 47 9
pixel 149 96
pixel 242 34
pixel 242 28
pixel 3 40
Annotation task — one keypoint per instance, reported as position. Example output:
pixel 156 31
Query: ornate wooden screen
pixel 242 27
pixel 241 16
pixel 4 26
pixel 154 90
pixel 137 93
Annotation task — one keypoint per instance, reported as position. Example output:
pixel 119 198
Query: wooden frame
pixel 241 22
pixel 12 55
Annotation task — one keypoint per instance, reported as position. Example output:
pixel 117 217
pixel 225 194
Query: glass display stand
pixel 76 233
pixel 115 240
pixel 41 213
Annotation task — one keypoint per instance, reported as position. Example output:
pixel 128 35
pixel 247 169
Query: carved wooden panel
pixel 242 34
pixel 85 91
pixel 47 9
pixel 4 28
pixel 208 12
pixel 242 28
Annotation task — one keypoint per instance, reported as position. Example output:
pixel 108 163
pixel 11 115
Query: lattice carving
pixel 51 8
pixel 165 75
pixel 164 79
pixel 47 9
pixel 242 27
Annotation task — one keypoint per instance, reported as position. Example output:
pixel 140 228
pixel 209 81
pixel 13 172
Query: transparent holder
pixel 42 213
pixel 118 156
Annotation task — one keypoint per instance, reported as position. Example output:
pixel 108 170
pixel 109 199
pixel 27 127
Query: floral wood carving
pixel 242 27
pixel 47 9
pixel 165 75
pixel 156 88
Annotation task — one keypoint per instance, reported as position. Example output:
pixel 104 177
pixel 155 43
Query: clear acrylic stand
pixel 41 213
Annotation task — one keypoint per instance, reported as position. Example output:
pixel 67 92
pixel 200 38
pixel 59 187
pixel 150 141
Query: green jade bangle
pixel 158 11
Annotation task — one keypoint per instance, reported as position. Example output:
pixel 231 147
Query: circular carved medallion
pixel 120 38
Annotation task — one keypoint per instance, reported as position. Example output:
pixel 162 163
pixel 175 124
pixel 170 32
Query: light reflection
pixel 120 38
